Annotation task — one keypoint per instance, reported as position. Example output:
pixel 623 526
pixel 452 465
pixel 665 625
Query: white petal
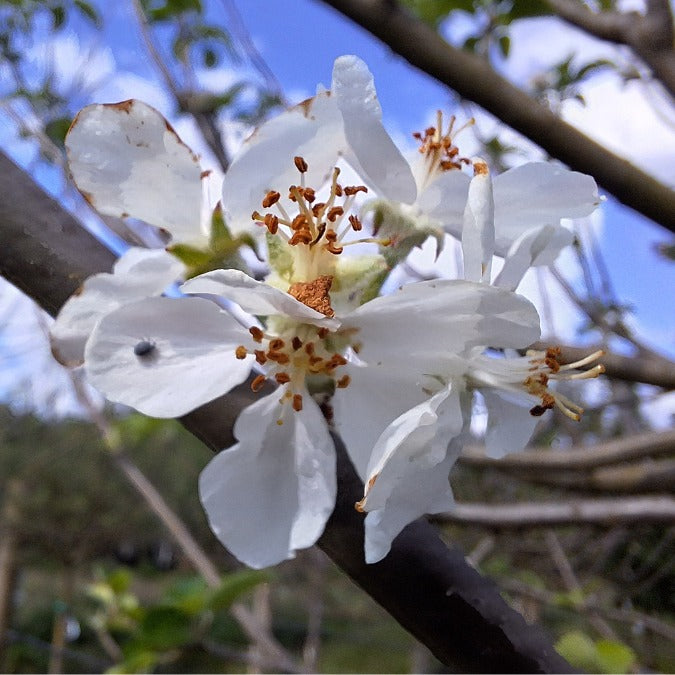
pixel 312 130
pixel 411 465
pixel 478 233
pixel 128 161
pixel 444 201
pixel 384 525
pixel 373 153
pixel 138 274
pixel 192 360
pixel 539 193
pixel 510 425
pixel 272 492
pixel 423 324
pixel 255 297
pixel 417 440
pixel 385 393
pixel 537 246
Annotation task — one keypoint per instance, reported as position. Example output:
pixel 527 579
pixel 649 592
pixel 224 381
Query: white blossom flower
pixel 191 351
pixel 406 473
pixel 529 200
pixel 127 161
pixel 401 368
pixel 535 246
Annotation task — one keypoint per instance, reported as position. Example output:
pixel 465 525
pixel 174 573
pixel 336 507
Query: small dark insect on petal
pixel 144 348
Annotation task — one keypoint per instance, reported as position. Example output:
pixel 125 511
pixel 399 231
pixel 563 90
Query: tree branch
pixel 544 460
pixel 473 78
pixel 430 589
pixel 649 36
pixel 608 512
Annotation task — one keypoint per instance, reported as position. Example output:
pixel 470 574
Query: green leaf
pixel 191 256
pixel 235 584
pixel 89 12
pixel 614 657
pixel 188 595
pixel 504 43
pixel 210 58
pixel 667 251
pixel 588 68
pixel 138 661
pixel 579 650
pixel 119 580
pixel 434 11
pixel 522 9
pixel 164 628
pixel 174 8
pixel 58 16
pixel 57 129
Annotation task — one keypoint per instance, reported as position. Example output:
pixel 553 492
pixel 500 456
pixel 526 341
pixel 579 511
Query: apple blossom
pixel 426 439
pixel 199 352
pixel 527 199
pixel 398 371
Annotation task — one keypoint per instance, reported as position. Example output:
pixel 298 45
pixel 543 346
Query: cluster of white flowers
pixel 396 373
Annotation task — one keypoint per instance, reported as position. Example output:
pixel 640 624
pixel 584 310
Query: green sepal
pixel 222 251
pixel 403 232
pixel 357 280
pixel 280 258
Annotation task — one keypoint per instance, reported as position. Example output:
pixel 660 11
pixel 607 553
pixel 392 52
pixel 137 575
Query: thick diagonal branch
pixel 473 78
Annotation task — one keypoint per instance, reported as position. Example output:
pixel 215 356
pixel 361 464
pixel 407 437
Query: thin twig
pixel 607 453
pixel 624 615
pixel 575 512
pixel 237 28
pixel 571 582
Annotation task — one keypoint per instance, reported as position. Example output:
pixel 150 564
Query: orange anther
pixel 258 383
pixel 256 333
pixel 300 164
pixel 334 212
pixel 271 198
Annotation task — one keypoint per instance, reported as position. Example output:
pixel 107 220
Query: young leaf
pixel 233 585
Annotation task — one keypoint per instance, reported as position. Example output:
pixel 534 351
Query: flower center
pixel 291 356
pixel 533 373
pixel 315 234
pixel 439 148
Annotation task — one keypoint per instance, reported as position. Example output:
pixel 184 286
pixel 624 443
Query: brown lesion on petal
pixel 359 506
pixel 89 198
pixel 125 106
pixel 314 294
